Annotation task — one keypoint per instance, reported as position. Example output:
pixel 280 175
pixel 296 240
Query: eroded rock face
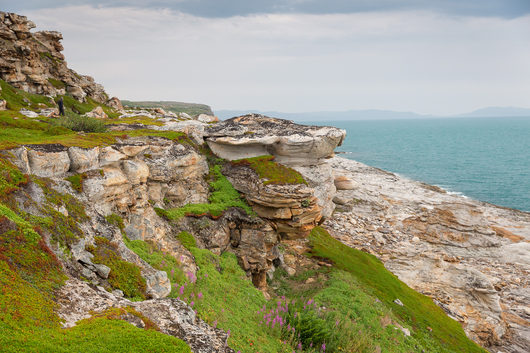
pixel 127 179
pixel 34 63
pixel 254 240
pixel 303 148
pixel 472 258
pixel 292 209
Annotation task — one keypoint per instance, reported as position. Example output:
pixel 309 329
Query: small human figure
pixel 61 106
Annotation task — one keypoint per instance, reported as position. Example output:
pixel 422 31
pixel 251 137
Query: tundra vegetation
pixel 347 306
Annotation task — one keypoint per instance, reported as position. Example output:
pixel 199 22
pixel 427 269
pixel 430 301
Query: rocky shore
pixel 471 257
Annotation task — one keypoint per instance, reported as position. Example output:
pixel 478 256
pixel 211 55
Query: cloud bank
pixel 419 60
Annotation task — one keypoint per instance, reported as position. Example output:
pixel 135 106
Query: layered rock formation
pixel 303 148
pixel 34 63
pixel 472 258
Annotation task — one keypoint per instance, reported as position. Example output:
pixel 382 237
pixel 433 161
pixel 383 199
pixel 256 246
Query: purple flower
pixel 299 345
pixel 336 323
pixel 205 275
pixel 323 347
pixel 199 295
pixel 214 324
pixel 228 332
pixel 181 290
pixel 192 303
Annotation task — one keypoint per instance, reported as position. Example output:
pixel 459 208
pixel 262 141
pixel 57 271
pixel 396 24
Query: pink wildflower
pixel 199 295
pixel 192 303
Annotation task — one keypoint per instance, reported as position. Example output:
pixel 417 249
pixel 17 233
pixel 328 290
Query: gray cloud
pixel 408 60
pixel 228 8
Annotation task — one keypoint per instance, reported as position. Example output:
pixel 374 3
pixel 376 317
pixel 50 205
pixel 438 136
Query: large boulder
pixel 301 147
pixel 255 135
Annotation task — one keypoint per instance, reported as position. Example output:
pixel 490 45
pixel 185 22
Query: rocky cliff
pixel 34 62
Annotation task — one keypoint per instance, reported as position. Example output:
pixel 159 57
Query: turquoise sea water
pixel 487 159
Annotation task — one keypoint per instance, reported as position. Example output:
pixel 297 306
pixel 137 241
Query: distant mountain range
pixel 374 114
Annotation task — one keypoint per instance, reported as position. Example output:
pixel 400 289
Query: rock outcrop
pixel 471 257
pixel 34 63
pixel 303 148
pixel 292 209
pixel 78 300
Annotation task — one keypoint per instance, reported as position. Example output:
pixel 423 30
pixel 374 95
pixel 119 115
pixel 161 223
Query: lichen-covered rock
pixel 83 159
pixel 48 160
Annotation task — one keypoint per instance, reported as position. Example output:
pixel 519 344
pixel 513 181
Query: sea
pixel 487 159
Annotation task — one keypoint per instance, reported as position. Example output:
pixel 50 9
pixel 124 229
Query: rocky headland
pixel 133 229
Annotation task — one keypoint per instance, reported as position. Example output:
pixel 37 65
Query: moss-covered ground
pixel 272 173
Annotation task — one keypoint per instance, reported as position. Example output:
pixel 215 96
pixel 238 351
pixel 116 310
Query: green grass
pixel 158 259
pixel 10 178
pixel 77 181
pixel 123 275
pixel 272 172
pixel 142 120
pixel 418 312
pixel 230 302
pixel 222 197
pixel 187 240
pixel 17 99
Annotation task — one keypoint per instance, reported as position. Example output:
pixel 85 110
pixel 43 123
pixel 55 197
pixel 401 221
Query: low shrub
pixel 76 122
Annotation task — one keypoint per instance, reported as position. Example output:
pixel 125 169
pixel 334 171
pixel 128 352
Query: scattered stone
pixel 344 183
pixel 398 302
pixel 204 118
pixel 3 104
pixel 28 113
pixel 97 113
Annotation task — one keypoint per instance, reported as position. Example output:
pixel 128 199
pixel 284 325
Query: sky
pixel 430 57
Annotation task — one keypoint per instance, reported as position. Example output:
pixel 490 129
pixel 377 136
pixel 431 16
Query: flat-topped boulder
pixel 255 135
pixel 301 147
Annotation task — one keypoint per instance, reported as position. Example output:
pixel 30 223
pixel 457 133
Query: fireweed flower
pixel 323 347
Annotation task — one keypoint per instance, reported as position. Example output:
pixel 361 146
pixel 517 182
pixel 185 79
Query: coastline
pixel 471 257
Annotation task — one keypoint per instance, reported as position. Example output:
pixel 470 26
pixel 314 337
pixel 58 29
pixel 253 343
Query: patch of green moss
pixel 76 181
pixel 56 83
pixel 418 312
pixel 142 120
pixel 117 221
pixel 123 275
pixel 187 240
pixel 270 171
pixel 222 197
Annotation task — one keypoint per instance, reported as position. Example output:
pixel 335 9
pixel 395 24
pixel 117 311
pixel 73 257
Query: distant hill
pixel 497 112
pixel 375 114
pixel 192 109
pixel 370 114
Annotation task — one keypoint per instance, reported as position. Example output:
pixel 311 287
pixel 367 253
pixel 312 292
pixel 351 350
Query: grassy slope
pixel 418 312
pixel 30 272
pixel 192 109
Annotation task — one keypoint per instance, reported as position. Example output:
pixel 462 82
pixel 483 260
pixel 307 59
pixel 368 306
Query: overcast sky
pixel 432 57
